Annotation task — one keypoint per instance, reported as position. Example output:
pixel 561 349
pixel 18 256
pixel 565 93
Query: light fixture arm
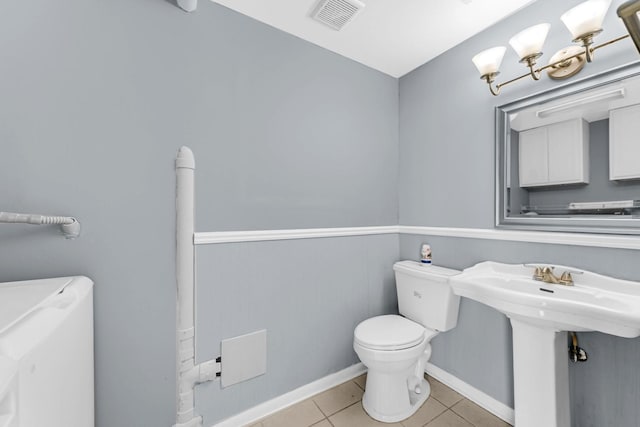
pixel 531 63
pixel 536 73
pixel 588 53
pixel 587 41
pixel 490 78
pixel 612 41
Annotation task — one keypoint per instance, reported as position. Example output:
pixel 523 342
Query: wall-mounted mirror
pixel 568 159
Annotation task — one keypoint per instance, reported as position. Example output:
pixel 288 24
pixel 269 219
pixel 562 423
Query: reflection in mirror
pixel 569 159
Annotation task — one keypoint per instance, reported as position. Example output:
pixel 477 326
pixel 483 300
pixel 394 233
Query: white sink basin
pixel 594 303
pixel 539 314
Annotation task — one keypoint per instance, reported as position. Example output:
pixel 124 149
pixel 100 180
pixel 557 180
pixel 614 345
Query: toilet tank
pixel 425 295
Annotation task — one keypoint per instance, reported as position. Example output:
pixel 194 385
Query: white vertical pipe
pixel 188 374
pixel 188 5
pixel 185 167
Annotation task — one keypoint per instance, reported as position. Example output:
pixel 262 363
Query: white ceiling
pixel 392 36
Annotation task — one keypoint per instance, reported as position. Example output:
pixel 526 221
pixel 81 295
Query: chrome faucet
pixel 545 274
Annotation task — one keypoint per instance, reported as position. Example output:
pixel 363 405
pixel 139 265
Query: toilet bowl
pixel 395 349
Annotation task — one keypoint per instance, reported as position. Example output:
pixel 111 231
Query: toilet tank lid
pixel 434 272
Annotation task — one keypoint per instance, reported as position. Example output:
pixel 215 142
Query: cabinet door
pixel 533 157
pixel 568 152
pixel 624 143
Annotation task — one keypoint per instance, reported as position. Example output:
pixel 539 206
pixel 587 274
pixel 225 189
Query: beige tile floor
pixel 341 406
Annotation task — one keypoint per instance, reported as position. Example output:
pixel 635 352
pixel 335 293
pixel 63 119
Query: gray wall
pixel 308 294
pixel 447 179
pixel 447 118
pixel 97 96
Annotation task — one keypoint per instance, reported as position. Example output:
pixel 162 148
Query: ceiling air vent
pixel 336 13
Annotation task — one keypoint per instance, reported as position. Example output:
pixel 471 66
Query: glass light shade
pixel 586 17
pixel 488 61
pixel 530 41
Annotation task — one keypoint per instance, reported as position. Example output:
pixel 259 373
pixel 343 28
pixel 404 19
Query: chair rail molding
pixel 207 238
pixel 615 241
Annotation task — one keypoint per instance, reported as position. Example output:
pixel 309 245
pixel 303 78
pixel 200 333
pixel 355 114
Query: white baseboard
pixel 279 403
pixel 284 401
pixel 478 397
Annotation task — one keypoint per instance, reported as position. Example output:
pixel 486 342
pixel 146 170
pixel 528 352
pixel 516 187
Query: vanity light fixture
pixel 629 12
pixel 528 45
pixel 584 22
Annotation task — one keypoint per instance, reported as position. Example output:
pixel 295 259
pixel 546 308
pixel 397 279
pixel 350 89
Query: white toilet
pixel 395 349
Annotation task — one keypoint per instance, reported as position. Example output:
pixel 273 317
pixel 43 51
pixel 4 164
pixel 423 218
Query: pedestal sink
pixel 540 314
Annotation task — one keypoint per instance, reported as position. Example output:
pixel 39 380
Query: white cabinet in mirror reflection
pixel 556 154
pixel 624 143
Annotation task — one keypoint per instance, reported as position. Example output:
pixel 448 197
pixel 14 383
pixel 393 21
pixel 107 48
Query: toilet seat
pixel 389 333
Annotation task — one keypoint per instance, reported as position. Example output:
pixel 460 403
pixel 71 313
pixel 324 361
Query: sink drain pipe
pixel 576 353
pixel 188 374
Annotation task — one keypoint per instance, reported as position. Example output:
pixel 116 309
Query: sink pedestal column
pixel 541 376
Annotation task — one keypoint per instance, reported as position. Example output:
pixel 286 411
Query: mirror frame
pixel 629 226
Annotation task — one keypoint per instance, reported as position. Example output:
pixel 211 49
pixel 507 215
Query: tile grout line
pixel 442 414
pixel 321 411
pixel 430 379
pixel 325 420
pixel 341 410
pixel 445 405
pixel 437 416
pixel 461 416
pixel 347 407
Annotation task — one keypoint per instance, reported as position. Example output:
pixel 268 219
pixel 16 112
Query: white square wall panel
pixel 243 358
